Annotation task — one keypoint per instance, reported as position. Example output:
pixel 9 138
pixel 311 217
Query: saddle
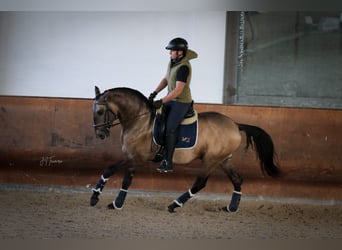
pixel 187 133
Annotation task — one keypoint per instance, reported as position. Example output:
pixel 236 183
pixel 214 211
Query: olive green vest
pixel 185 96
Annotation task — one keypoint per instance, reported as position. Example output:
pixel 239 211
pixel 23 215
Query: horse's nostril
pixel 100 136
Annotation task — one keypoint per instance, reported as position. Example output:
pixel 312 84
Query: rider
pixel 178 99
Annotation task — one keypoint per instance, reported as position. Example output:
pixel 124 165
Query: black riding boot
pixel 170 144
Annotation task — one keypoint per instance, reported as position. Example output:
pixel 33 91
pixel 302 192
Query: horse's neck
pixel 138 131
pixel 136 119
pixel 134 115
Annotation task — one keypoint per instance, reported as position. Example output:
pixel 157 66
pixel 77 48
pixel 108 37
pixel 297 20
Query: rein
pixel 108 124
pixel 134 118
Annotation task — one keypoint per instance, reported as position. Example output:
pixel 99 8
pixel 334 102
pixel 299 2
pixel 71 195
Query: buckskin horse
pixel 218 137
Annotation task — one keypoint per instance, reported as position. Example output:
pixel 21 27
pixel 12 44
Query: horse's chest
pixel 132 145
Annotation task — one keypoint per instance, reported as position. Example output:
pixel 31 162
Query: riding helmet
pixel 177 44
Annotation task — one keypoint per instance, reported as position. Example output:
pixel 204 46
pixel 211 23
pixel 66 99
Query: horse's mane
pixel 130 91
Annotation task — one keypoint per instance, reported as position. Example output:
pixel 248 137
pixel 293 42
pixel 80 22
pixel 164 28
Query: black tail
pixel 263 145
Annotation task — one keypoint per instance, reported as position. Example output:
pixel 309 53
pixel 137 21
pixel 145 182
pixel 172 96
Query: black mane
pixel 130 91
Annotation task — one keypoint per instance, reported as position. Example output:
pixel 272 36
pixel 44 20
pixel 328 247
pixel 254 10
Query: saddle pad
pixel 187 133
pixel 187 137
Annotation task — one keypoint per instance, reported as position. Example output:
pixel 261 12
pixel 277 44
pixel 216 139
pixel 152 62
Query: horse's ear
pixel 97 91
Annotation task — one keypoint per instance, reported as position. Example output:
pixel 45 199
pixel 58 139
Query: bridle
pixel 107 124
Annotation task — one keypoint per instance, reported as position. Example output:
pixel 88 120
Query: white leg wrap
pixel 237 192
pixel 178 203
pixel 97 190
pixel 104 179
pixel 235 202
pixel 191 194
pixel 117 208
pixel 120 198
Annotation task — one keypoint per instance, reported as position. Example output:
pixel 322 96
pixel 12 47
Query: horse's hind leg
pixel 120 199
pixel 197 186
pixel 236 180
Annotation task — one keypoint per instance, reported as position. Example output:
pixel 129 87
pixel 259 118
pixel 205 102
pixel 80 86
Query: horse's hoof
pixel 110 206
pixel 94 199
pixel 114 206
pixel 171 207
pixel 225 209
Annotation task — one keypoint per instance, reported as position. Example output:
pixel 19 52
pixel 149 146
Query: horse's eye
pixel 100 112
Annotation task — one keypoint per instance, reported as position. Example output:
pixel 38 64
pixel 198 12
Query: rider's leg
pixel 175 116
pixel 170 144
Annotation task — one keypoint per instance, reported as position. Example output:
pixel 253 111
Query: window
pixel 284 59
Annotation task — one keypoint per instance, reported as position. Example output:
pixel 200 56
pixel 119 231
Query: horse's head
pixel 103 116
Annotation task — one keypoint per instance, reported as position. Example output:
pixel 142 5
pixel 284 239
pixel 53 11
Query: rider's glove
pixel 157 104
pixel 152 96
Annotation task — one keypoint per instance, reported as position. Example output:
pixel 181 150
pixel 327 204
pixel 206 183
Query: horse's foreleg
pixel 120 199
pixel 101 183
pixel 198 185
pixel 237 180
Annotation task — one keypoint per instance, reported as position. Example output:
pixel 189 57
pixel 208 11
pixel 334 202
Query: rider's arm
pixel 174 93
pixel 161 85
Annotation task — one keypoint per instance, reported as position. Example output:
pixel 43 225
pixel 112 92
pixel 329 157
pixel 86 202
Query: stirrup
pixel 159 155
pixel 165 167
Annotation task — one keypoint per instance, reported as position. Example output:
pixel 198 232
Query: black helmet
pixel 177 44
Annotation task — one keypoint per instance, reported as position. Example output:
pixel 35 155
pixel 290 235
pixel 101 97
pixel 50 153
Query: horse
pixel 218 138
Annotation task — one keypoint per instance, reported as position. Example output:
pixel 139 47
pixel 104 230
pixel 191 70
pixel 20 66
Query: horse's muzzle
pixel 101 134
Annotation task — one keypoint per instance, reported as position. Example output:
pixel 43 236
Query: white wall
pixel 63 54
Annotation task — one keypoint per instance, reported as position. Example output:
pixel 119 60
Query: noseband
pixel 107 124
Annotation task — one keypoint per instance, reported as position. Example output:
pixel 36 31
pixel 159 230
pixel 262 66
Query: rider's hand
pixel 152 96
pixel 157 104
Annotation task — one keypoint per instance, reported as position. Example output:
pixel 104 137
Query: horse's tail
pixel 263 145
